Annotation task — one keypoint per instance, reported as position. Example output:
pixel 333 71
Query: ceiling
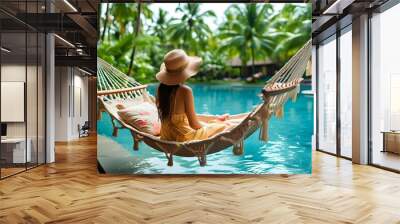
pixel 74 22
pixel 331 15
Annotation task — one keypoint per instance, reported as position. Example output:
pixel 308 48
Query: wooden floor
pixel 71 191
pixel 10 171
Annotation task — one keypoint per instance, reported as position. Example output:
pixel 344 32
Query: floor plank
pixel 71 191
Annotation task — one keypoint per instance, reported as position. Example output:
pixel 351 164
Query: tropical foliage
pixel 134 38
pixel 247 30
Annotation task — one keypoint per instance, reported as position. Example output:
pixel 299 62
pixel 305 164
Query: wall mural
pixel 190 88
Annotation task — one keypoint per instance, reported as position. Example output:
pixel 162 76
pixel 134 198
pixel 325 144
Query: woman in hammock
pixel 175 101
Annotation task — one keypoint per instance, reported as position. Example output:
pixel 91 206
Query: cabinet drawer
pixel 392 142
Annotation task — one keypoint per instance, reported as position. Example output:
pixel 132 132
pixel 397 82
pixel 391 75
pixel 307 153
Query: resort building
pixel 265 67
pixel 48 153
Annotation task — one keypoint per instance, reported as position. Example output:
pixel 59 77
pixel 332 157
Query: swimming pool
pixel 287 152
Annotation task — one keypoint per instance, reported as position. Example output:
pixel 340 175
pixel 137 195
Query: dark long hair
pixel 165 99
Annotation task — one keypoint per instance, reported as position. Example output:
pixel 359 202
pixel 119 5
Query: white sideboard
pixel 19 155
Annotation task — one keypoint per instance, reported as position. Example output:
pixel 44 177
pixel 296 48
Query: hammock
pixel 114 87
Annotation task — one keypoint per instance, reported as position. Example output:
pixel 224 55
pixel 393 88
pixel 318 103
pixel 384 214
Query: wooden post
pixel 264 130
pixel 135 141
pixel 98 114
pixel 100 109
pixel 170 160
pixel 115 132
pixel 203 160
pixel 135 144
pixel 115 128
pixel 264 123
pixel 238 149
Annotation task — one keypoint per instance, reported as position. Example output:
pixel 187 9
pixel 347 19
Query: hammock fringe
pixel 279 112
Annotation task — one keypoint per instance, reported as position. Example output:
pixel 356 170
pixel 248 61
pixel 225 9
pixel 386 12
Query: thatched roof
pixel 236 62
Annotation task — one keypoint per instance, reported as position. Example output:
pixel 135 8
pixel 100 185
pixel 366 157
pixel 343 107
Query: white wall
pixel 33 127
pixel 346 75
pixel 71 102
pixel 80 110
pixel 61 104
pixel 327 95
pixel 14 73
pixel 314 90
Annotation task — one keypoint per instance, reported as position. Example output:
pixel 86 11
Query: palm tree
pixel 191 29
pixel 294 22
pixel 136 33
pixel 105 21
pixel 124 34
pixel 116 39
pixel 248 33
pixel 141 9
pixel 123 16
pixel 160 25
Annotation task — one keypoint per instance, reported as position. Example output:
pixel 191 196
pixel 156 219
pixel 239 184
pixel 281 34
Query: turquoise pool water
pixel 287 152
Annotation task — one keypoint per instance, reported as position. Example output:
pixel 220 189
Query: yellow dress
pixel 177 128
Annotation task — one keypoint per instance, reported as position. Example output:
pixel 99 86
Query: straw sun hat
pixel 178 67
